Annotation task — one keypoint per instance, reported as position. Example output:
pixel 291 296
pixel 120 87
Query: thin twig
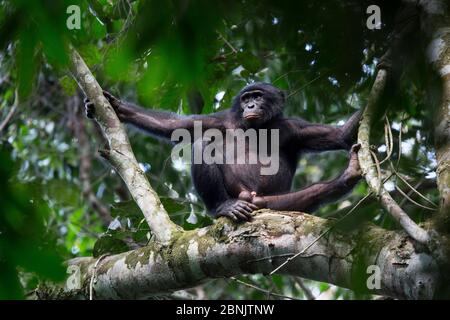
pixel 398 174
pixel 377 165
pixel 261 289
pixel 412 201
pixel 227 43
pixel 400 141
pixel 389 141
pixel 305 288
pixel 304 86
pixel 11 112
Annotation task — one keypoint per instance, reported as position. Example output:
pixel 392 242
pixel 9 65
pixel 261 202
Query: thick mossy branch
pixel 435 20
pixel 120 154
pixel 226 249
pixel 369 167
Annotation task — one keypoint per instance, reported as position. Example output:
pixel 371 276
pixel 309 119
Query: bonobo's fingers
pixel 259 202
pixel 89 108
pixel 115 103
pixel 385 63
pixel 253 201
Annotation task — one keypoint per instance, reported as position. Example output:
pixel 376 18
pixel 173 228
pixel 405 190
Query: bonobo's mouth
pixel 252 116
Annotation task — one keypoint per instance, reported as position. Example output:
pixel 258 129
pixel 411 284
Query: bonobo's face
pixel 258 103
pixel 252 103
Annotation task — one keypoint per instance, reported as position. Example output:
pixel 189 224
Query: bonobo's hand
pixel 237 210
pixel 385 62
pixel 115 103
pixel 352 174
pixel 253 198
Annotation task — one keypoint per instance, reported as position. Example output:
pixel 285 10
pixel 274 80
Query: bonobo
pixel 235 190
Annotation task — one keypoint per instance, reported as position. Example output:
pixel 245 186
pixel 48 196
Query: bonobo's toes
pixel 236 210
pixel 240 214
pixel 353 172
pixel 355 148
pixel 354 162
pixel 229 215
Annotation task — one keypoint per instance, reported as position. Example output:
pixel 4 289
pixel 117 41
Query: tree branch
pixel 225 250
pixel 369 168
pixel 121 156
pixel 436 23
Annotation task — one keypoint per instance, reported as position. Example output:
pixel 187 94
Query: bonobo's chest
pixel 253 159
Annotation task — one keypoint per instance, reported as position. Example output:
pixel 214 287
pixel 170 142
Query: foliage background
pixel 187 57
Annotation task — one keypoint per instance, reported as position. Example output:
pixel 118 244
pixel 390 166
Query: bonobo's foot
pixel 236 209
pixel 115 103
pixel 253 198
pixel 352 174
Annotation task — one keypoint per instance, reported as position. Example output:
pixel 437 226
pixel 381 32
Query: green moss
pixel 141 256
pixel 311 226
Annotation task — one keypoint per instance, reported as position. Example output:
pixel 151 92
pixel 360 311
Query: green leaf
pixel 109 245
pixel 90 54
pixel 98 29
pixel 68 85
pixel 172 205
pixel 126 209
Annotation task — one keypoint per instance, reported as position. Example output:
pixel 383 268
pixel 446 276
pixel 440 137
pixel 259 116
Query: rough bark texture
pixel 436 24
pixel 121 156
pixel 225 249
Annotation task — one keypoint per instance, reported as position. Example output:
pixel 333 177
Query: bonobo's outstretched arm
pixel 310 198
pixel 321 137
pixel 156 122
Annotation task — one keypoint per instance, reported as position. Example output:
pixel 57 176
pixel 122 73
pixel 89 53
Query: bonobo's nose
pixel 250 106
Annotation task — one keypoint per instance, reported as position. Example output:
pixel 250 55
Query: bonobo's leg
pixel 209 183
pixel 310 198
